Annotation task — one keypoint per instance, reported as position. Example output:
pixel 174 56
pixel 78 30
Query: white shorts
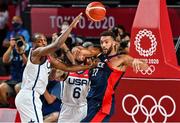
pixel 29 106
pixel 72 114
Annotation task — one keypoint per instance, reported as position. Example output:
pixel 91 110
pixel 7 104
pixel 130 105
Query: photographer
pixel 17 29
pixel 16 56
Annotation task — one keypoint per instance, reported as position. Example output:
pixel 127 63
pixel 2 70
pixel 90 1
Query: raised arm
pixel 70 68
pixel 8 54
pixel 42 51
pixel 86 52
pixel 136 64
pixel 126 60
pixel 68 53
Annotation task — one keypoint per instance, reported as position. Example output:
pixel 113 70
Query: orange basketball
pixel 95 11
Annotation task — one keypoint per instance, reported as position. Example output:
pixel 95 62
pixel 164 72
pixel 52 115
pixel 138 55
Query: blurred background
pixel 47 16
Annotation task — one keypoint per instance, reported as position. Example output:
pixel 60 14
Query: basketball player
pixel 105 77
pixel 76 88
pixel 35 76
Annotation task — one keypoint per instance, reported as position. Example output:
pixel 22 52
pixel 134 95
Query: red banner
pixel 49 20
pixel 150 95
pixel 147 100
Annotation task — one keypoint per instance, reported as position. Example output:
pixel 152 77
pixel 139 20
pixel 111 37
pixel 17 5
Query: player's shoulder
pixel 121 58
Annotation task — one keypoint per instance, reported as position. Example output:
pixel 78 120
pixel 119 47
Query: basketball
pixel 95 11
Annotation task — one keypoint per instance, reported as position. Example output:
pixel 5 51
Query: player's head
pixel 39 40
pixel 107 42
pixel 79 58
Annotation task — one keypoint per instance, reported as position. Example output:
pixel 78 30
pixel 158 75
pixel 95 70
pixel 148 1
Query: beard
pixel 107 51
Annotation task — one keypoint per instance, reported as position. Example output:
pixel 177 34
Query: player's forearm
pixel 63 37
pixel 49 98
pixel 77 68
pixel 70 57
pixel 68 53
pixel 90 52
pixel 51 48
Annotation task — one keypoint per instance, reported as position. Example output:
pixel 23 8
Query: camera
pixel 19 42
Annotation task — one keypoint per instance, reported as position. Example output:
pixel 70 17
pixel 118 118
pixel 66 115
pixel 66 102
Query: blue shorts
pixel 50 108
pixel 53 88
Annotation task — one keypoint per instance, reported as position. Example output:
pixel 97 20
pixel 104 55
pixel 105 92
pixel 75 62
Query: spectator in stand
pixel 121 30
pixel 126 36
pixel 17 29
pixel 3 25
pixel 73 39
pixel 122 39
pixel 16 56
pixel 125 43
pixel 3 32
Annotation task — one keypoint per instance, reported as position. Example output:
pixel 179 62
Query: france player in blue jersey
pixel 105 77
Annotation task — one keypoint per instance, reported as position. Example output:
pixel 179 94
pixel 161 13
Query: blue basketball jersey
pixel 104 80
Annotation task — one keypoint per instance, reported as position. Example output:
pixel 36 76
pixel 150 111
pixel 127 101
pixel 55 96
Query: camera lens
pixel 19 43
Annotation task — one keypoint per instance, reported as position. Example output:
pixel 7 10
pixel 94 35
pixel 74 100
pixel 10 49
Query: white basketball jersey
pixel 35 76
pixel 76 88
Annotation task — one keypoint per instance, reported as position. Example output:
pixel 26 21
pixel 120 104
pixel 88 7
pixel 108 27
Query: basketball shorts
pixel 71 114
pixel 29 106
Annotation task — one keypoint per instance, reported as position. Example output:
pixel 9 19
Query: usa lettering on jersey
pixel 77 81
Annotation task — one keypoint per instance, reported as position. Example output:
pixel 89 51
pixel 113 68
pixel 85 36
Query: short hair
pixel 108 33
pixel 36 36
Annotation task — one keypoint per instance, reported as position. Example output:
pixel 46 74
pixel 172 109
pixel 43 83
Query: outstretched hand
pixel 76 20
pixel 139 65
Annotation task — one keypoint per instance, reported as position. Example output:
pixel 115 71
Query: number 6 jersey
pixel 76 88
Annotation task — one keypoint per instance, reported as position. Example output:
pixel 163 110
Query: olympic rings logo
pixel 148 71
pixel 139 49
pixel 153 110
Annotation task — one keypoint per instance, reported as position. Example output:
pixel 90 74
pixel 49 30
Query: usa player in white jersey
pixel 76 88
pixel 35 76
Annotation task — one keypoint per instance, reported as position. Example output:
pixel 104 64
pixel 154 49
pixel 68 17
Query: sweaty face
pixel 106 43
